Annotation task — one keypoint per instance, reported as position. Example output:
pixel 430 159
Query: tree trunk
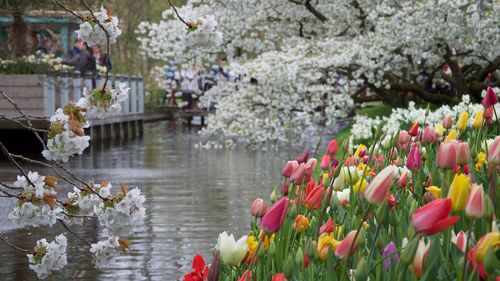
pixel 20 38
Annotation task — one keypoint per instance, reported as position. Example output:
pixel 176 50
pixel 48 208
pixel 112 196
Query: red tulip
pixel 247 276
pixel 392 201
pixel 333 147
pixel 377 191
pixel 299 174
pixel 430 134
pixel 403 179
pixel 279 277
pixel 290 166
pixel 413 161
pixel 490 98
pixel 258 208
pixel 447 155
pixel 313 200
pixel 327 227
pixel 303 158
pixel 342 250
pixel 200 271
pixel 414 129
pixel 272 221
pixel 325 162
pixel 306 261
pixel 310 186
pixel 433 217
pixel 284 189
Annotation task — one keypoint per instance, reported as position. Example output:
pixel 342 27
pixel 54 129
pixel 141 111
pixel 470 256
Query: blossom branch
pixel 68 10
pixel 177 14
pixel 74 233
pixel 14 246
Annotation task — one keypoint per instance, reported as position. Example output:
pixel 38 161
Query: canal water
pixel 192 195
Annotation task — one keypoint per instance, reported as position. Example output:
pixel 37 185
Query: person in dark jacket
pixel 101 58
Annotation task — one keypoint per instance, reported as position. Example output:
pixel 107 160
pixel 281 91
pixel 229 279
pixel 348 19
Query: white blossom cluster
pixel 50 60
pixel 66 142
pixel 104 250
pixel 48 257
pixel 203 33
pixel 364 127
pixel 32 209
pixel 84 203
pixel 101 105
pixel 90 31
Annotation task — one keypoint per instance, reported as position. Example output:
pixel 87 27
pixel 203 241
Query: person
pixel 85 62
pixel 100 58
pixel 76 48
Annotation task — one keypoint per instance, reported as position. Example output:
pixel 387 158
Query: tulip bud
pixel 393 153
pixel 414 129
pixel 378 189
pixel 490 98
pixel 414 160
pixel 409 251
pixel 258 208
pixel 459 192
pixel 475 203
pixel 272 221
pixel 488 113
pixel 292 211
pixel 289 267
pixel 413 206
pixel 361 270
pixel 478 120
pixel 489 209
pixel 272 248
pixel 430 135
pixel 494 152
pixel 299 258
pixel 301 223
pixel 403 179
pixel 310 248
pixel 333 146
pixel 463 153
pixel 447 122
pixel 429 197
pixel 325 162
pixel 447 155
pixel 462 121
pixel 393 218
pixel 284 189
pixel 274 196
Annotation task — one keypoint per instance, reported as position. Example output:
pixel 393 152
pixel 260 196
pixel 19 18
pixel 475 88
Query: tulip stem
pixel 351 246
pixel 467 248
pixel 374 243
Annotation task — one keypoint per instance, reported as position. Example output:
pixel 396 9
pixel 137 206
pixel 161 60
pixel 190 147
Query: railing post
pixel 77 86
pixel 140 93
pixel 87 81
pixel 126 103
pixel 133 95
pixel 49 95
pixel 63 89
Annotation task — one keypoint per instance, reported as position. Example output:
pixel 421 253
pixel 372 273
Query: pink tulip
pixel 430 134
pixel 413 161
pixel 258 208
pixel 463 153
pixel 272 221
pixel 310 166
pixel 403 179
pixel 325 162
pixel 447 122
pixel 420 256
pixel 404 139
pixel 303 158
pixel 488 113
pixel 490 98
pixel 290 166
pixel 392 201
pixel 433 217
pixel 247 276
pixel 494 152
pixel 459 240
pixel 333 147
pixel 377 191
pixel 475 203
pixel 447 155
pixel 327 227
pixel 284 189
pixel 343 248
pixel 299 174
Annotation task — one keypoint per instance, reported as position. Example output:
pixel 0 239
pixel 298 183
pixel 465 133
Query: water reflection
pixel 192 195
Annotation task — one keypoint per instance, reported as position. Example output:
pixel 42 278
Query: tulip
pixel 459 240
pixel 430 134
pixel 342 197
pixel 414 129
pixel 459 192
pixel 247 276
pixel 345 245
pixel 310 186
pixel 447 155
pixel 447 122
pixel 284 189
pixel 327 227
pixel 272 221
pixel 299 174
pixel 258 208
pixel 200 270
pixel 490 98
pixel 310 165
pixel 214 271
pixel 279 277
pixel 403 179
pixel 390 252
pixel 391 201
pixel 252 245
pixel 463 153
pixel 439 130
pixel 420 256
pixel 488 113
pixel 436 191
pixel 494 152
pixel 333 147
pixel 477 254
pixel 303 158
pixel 433 217
pixel 360 186
pixel 452 135
pixel 378 190
pixel 403 140
pixel 325 243
pixel 301 223
pixel 325 162
pixel 478 120
pixel 475 203
pixel 462 121
pixel 306 260
pixel 413 161
pixel 231 252
pixel 313 200
pixel 290 166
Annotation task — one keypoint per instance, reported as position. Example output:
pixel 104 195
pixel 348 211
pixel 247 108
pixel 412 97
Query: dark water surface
pixel 192 196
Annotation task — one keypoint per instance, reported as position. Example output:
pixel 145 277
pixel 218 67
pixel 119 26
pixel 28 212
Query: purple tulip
pixel 390 250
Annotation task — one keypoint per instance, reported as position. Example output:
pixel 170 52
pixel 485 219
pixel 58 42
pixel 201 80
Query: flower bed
pixel 415 203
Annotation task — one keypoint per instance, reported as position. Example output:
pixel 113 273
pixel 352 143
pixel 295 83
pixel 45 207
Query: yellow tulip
pixel 252 246
pixel 267 239
pixel 360 186
pixel 459 192
pixel 326 242
pixel 478 120
pixel 452 135
pixel 434 190
pixel 360 147
pixel 439 129
pixel 462 121
pixel 491 239
pixel 481 160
